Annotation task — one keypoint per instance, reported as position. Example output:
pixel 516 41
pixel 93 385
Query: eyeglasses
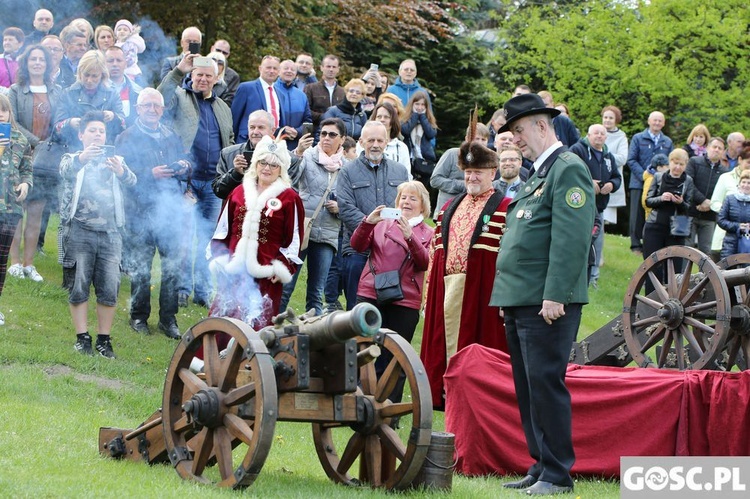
pixel 218 61
pixel 510 160
pixel 354 91
pixel 54 49
pixel 263 164
pixel 222 51
pixel 333 135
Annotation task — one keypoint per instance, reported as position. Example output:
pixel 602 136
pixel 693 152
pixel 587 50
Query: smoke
pixel 238 296
pixel 159 46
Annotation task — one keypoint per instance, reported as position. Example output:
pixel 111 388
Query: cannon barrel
pixel 337 327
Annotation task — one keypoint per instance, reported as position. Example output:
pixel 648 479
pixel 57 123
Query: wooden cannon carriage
pixel 217 425
pixel 696 318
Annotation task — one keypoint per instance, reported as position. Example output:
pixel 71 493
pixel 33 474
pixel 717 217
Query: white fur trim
pixel 281 271
pixel 246 254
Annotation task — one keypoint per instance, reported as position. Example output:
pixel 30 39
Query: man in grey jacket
pixel 364 184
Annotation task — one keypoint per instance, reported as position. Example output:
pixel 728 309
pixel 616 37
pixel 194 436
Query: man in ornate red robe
pixel 462 270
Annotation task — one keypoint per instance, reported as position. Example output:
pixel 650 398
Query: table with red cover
pixel 616 412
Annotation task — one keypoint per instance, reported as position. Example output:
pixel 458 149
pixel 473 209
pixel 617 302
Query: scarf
pixel 742 197
pixel 698 150
pixel 416 141
pixel 331 163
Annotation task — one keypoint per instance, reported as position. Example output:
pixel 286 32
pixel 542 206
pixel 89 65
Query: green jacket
pixel 15 168
pixel 544 251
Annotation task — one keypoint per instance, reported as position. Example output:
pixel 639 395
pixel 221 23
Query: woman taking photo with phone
pixel 396 244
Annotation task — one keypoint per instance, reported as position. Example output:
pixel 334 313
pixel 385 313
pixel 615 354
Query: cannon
pixel 697 317
pixel 216 426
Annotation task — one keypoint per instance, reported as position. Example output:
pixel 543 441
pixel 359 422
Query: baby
pixel 129 39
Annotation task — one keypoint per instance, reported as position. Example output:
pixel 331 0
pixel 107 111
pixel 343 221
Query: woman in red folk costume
pixel 257 241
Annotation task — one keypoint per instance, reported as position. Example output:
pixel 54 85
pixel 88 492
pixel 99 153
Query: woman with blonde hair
pixel 350 109
pixel 90 92
pixel 402 245
pixel 697 141
pixel 221 90
pixel 104 37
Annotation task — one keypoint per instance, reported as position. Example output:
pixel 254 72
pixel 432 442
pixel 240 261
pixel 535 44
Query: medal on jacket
pixel 485 221
pixel 273 204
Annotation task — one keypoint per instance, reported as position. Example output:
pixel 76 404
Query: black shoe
pixel 523 483
pixel 83 345
pixel 200 302
pixel 542 488
pixel 170 330
pixel 139 326
pixel 104 347
pixel 182 300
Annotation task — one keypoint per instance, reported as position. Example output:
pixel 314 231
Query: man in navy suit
pixel 258 94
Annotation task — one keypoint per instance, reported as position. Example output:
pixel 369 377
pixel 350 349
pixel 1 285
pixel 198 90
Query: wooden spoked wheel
pixel 737 347
pixel 234 405
pixel 386 457
pixel 688 312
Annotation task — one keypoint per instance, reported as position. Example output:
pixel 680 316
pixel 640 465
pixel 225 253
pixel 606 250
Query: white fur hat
pixel 272 151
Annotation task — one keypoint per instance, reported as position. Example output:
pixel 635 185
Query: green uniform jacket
pixel 544 251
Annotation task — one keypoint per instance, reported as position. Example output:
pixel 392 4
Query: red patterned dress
pixel 473 226
pixel 258 237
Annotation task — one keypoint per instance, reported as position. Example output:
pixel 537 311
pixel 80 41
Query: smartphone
pixel 373 67
pixel 391 213
pixel 307 128
pixel 202 62
pixel 248 156
pixel 331 196
pixel 108 151
pixel 4 130
pixel 194 48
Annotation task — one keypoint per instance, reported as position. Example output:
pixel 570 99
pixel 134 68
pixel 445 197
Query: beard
pixel 375 156
pixel 474 189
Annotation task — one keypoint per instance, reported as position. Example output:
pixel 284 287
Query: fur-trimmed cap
pixel 272 151
pixel 475 155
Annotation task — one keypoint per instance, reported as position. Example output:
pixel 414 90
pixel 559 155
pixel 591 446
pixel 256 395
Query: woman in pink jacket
pixel 397 244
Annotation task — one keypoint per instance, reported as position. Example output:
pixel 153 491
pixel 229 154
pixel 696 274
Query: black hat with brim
pixel 524 105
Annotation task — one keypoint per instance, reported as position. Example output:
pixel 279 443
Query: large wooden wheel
pixel 687 313
pixel 387 457
pixel 737 347
pixel 234 406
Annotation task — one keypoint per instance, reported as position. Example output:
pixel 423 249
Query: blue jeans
pixel 334 282
pixel 319 257
pixel 195 277
pixel 353 264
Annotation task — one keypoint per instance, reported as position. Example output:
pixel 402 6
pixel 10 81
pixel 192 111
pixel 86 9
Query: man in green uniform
pixel 541 285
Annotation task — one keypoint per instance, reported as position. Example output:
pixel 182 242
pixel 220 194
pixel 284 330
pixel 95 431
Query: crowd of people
pixel 236 184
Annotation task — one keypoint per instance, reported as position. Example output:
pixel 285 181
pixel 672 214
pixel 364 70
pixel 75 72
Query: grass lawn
pixel 53 401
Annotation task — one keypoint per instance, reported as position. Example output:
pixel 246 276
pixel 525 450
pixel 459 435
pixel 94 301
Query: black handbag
pixel 388 284
pixel 680 225
pixel 47 156
pixel 422 167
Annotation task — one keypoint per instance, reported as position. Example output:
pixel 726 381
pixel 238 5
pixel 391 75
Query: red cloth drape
pixel 616 412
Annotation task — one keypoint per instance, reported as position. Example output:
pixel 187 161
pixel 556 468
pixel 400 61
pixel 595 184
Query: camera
pixel 194 48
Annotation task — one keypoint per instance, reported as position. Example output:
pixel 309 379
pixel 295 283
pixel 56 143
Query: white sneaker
pixel 32 274
pixel 16 270
pixel 2 319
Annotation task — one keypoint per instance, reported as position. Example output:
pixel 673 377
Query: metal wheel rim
pixel 248 412
pixel 709 341
pixel 382 444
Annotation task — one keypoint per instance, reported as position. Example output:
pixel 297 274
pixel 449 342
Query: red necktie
pixel 273 107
